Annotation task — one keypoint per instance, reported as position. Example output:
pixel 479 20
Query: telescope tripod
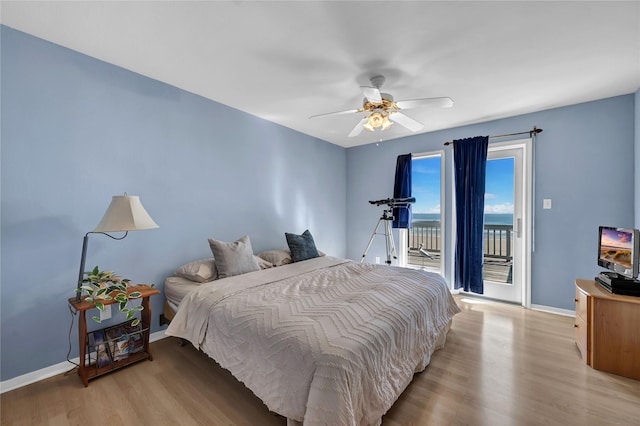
pixel 385 220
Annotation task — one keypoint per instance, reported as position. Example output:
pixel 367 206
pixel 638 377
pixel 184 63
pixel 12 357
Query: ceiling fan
pixel 383 111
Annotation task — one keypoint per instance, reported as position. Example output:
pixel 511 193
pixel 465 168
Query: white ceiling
pixel 285 61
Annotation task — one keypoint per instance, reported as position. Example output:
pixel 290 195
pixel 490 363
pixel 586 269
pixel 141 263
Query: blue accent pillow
pixel 302 247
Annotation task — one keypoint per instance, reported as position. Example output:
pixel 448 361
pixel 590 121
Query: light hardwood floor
pixel 502 365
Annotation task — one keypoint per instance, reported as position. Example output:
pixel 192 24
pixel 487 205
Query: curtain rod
pixel 535 131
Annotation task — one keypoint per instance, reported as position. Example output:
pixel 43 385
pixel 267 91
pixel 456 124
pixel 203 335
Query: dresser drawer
pixel 581 337
pixel 581 304
pixel 581 325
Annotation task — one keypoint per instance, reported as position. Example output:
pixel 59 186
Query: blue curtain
pixel 470 163
pixel 402 189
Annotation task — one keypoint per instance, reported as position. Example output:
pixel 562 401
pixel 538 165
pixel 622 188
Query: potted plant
pixel 105 285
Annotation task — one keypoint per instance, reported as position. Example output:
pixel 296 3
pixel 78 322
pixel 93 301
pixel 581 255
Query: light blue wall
pixel 76 131
pixel 584 163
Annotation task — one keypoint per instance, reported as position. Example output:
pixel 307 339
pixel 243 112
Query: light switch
pixel 546 203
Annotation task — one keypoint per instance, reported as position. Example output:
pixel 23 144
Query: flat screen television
pixel 619 250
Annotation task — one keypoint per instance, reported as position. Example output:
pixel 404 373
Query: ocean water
pixel 490 219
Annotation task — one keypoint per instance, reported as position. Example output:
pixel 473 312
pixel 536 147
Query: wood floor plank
pixel 501 365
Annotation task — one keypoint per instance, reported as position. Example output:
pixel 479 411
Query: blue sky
pixel 426 185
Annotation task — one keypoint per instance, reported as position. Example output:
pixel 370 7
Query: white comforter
pixel 324 341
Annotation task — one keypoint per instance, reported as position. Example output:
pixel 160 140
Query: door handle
pixel 518 227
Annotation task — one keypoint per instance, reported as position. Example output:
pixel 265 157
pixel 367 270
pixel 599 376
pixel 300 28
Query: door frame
pixel 527 219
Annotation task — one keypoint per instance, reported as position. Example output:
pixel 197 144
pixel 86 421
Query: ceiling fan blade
pixel 406 121
pixel 444 102
pixel 358 129
pixel 372 94
pixel 350 111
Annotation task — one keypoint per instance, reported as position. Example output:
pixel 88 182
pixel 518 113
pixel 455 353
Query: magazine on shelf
pixel 118 342
pixel 98 343
pixel 136 342
pixel 122 348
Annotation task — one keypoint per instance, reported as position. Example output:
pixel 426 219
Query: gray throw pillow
pixel 233 258
pixel 302 247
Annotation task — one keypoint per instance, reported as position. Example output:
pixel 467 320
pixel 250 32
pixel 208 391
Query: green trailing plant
pixel 106 286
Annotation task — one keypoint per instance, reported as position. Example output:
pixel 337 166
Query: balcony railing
pixel 425 234
pixel 498 245
pixel 498 242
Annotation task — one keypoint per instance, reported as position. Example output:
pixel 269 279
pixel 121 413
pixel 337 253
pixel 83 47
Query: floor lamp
pixel 125 213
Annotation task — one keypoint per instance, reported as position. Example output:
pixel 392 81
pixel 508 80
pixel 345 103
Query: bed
pixel 321 341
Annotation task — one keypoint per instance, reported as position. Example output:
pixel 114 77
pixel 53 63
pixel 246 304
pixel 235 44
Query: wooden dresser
pixel 608 329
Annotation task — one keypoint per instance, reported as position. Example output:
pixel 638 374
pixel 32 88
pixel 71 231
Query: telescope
pixel 385 220
pixel 394 202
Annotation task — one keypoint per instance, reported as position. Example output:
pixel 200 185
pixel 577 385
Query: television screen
pixel 618 250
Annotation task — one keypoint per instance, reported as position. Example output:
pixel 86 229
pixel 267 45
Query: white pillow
pixel 199 271
pixel 279 257
pixel 276 257
pixel 233 258
pixel 263 264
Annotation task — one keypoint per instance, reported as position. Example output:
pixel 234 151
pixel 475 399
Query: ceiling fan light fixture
pixel 386 123
pixel 376 120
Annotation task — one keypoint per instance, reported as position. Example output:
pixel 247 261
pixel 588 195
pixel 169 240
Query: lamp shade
pixel 125 213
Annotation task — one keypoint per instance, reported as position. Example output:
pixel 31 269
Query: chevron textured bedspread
pixel 324 341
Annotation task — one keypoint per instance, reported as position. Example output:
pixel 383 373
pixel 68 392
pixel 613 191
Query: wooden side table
pixel 91 370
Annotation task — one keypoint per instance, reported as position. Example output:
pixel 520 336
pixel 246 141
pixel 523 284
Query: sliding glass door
pixel 507 221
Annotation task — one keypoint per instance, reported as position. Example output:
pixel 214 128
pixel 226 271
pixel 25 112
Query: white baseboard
pixel 541 308
pixel 45 373
pixel 552 310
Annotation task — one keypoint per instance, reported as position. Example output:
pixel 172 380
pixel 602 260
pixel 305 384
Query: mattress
pixel 176 288
pixel 323 341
